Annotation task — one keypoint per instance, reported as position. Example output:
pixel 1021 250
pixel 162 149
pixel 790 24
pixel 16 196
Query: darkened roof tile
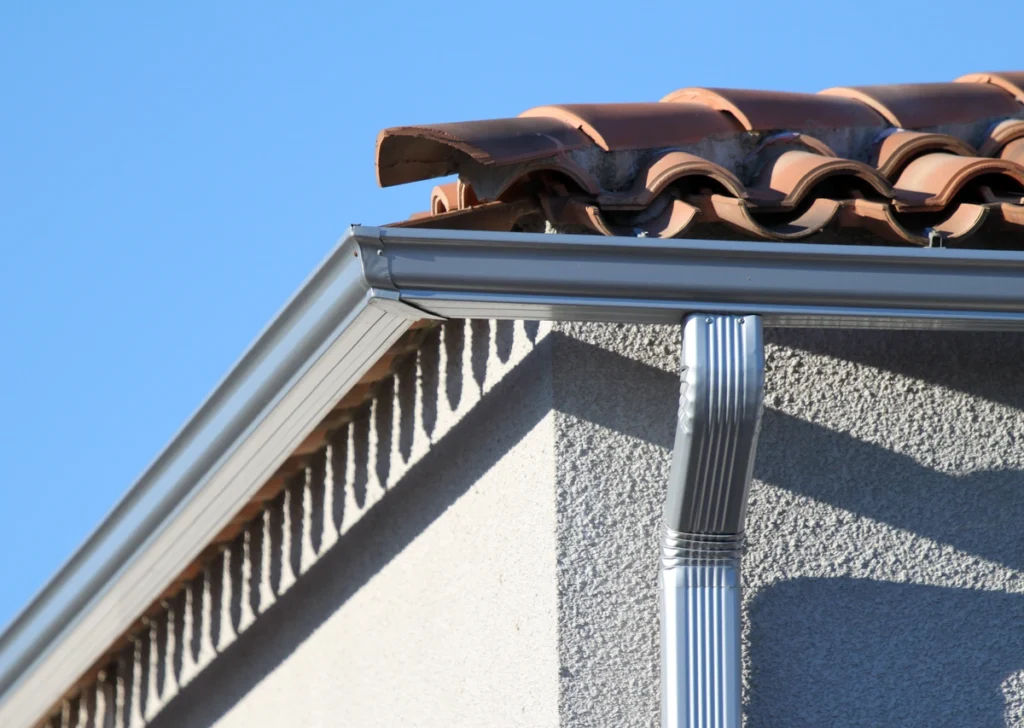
pixel 770 110
pixel 1010 81
pixel 923 105
pixel 412 153
pixel 615 127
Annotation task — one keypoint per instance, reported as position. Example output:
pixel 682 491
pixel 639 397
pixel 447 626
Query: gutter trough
pixel 377 282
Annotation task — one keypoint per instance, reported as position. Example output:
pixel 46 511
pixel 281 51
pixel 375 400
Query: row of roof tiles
pixel 906 164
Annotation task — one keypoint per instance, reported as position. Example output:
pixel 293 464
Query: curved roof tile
pixel 444 198
pixel 898 149
pixel 769 110
pixel 615 127
pixel 932 181
pixel 881 219
pixel 920 105
pixel 665 171
pixel 788 179
pixel 1000 135
pixel 899 162
pixel 739 215
pixel 412 153
pixel 1010 81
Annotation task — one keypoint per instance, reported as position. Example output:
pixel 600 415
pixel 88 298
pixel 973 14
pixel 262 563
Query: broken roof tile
pixel 412 153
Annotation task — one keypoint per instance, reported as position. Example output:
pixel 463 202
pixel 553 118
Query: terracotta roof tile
pixel 668 169
pixel 740 216
pixel 444 198
pixel 932 181
pixel 895 164
pixel 1013 152
pixel 1010 81
pixel 1000 135
pixel 791 177
pixel 923 105
pixel 411 153
pixel 615 127
pixel 897 149
pixel 768 110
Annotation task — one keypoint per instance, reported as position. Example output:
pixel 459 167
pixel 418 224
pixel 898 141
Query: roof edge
pixel 321 342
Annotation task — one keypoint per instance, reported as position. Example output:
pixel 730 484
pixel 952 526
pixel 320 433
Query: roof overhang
pixel 367 292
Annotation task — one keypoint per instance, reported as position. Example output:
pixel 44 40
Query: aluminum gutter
pixel 366 293
pixel 575 277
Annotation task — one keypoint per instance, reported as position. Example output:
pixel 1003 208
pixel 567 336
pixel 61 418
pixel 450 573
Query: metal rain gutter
pixel 366 293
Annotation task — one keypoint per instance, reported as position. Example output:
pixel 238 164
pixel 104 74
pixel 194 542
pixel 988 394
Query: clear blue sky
pixel 170 173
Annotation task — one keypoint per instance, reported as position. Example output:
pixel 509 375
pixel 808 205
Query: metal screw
pixel 708 320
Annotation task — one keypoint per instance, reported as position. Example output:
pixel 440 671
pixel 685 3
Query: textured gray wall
pixel 487 543
pixel 883 585
pixel 412 574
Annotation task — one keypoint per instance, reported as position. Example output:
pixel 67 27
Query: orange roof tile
pixel 887 164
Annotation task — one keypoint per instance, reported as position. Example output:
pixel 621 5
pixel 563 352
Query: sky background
pixel 169 174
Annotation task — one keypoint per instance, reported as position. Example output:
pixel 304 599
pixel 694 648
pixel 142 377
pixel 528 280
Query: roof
pixel 905 164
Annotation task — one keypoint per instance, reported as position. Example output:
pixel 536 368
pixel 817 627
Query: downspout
pixel 720 404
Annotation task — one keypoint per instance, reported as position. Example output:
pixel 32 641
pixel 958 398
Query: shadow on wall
pixel 849 652
pixel 503 416
pixel 983 364
pixel 856 652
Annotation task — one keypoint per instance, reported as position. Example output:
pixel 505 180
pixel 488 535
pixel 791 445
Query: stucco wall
pixel 883 584
pixel 413 579
pixel 491 557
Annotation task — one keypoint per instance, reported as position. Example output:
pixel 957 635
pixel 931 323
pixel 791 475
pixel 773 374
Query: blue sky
pixel 170 173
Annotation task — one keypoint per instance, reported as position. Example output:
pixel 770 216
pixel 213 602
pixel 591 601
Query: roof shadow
pixel 404 511
pixel 981 363
pixel 849 653
pixel 978 513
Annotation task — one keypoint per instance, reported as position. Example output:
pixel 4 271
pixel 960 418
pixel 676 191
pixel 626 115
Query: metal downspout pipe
pixel 720 404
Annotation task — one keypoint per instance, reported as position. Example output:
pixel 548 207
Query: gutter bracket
pixel 720 404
